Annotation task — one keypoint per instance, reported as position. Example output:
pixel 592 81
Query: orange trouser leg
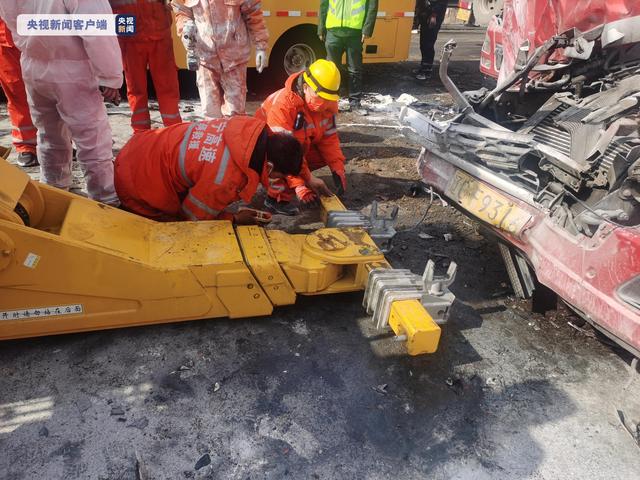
pixel 23 132
pixel 164 74
pixel 278 187
pixel 135 58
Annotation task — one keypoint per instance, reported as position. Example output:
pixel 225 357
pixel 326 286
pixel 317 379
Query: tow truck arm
pixel 70 264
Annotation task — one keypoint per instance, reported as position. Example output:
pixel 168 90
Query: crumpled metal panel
pixel 539 20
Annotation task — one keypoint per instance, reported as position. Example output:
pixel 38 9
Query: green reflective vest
pixel 346 13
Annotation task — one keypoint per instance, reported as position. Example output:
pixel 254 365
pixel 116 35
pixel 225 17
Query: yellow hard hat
pixel 324 78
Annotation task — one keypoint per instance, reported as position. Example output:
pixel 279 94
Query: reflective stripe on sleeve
pixel 224 163
pixel 189 213
pixel 25 141
pixel 203 206
pixel 183 154
pixel 281 130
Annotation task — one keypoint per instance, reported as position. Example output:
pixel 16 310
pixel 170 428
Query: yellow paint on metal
pixel 463 14
pixel 14 182
pixel 4 152
pixel 7 250
pixel 409 318
pixel 487 204
pixel 263 263
pixel 80 265
pixel 330 204
pixel 406 317
pixel 122 269
pixel 329 260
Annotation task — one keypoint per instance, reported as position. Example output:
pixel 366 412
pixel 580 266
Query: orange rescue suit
pixel 317 134
pixel 152 46
pixel 23 132
pixel 189 171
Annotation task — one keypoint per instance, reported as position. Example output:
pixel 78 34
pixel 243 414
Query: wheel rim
pixel 488 5
pixel 298 57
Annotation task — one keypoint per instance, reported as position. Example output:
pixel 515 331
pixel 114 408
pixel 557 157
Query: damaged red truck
pixel 549 160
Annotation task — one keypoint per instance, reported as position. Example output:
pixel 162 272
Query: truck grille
pixel 548 133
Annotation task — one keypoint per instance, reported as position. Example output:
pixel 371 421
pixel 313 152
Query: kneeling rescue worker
pixel 306 108
pixel 193 171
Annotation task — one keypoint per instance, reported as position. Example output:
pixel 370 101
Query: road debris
pixel 633 430
pixel 425 236
pixel 203 462
pixel 141 473
pixel 216 386
pixel 139 423
pixel 406 99
pixel 117 411
pixel 381 389
pixel 587 333
pixel 492 382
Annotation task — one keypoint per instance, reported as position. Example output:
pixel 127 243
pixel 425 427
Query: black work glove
pixel 340 181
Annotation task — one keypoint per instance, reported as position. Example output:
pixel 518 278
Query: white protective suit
pixel 225 30
pixel 62 75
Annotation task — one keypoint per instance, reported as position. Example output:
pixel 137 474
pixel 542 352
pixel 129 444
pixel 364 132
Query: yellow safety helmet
pixel 324 78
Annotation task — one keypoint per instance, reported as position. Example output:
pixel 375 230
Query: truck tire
pixel 484 10
pixel 294 51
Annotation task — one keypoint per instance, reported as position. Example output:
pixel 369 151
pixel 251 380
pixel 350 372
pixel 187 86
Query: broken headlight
pixel 629 292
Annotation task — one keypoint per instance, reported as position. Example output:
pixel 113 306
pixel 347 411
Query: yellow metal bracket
pixel 410 321
pixel 407 318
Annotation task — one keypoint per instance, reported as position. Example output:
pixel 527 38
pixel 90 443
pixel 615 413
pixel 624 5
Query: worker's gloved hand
pixel 319 187
pixel 340 180
pixel 189 35
pixel 188 38
pixel 111 95
pixel 250 216
pixel 306 196
pixel 261 60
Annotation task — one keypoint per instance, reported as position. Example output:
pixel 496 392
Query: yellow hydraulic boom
pixel 70 264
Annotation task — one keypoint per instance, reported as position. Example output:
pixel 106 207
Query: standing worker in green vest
pixel 344 25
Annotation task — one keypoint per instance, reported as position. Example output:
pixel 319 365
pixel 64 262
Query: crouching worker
pixel 193 171
pixel 306 108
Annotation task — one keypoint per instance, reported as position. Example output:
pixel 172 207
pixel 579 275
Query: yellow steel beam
pixel 71 264
pixel 262 261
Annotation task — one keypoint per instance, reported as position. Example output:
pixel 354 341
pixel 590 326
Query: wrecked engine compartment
pixel 564 127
